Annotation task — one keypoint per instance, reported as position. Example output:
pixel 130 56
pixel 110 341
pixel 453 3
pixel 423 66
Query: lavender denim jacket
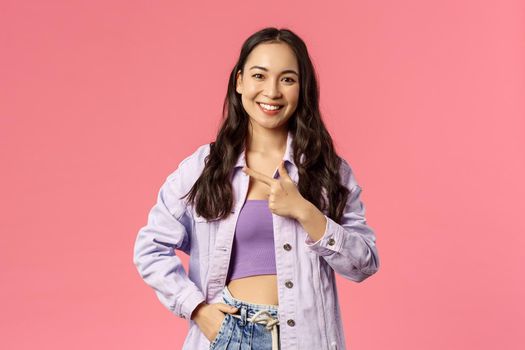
pixel 309 311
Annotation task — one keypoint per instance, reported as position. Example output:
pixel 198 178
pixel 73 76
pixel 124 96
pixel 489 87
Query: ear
pixel 238 87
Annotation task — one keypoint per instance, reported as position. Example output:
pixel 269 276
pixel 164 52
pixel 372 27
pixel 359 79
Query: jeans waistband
pixel 265 314
pixel 251 308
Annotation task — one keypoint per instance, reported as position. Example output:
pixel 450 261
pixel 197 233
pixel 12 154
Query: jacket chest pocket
pixel 204 227
pixel 201 219
pixel 206 231
pixel 198 218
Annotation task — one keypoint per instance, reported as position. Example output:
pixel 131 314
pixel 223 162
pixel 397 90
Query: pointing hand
pixel 285 199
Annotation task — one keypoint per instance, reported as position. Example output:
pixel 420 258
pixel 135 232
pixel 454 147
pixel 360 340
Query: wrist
pixel 197 311
pixel 304 211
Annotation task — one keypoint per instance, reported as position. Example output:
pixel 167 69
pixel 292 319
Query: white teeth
pixel 268 107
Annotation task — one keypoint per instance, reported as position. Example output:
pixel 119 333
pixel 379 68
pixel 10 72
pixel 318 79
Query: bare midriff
pixel 259 289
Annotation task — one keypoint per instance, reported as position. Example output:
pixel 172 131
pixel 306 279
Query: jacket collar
pixel 288 154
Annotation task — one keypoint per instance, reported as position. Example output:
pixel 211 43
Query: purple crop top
pixel 253 251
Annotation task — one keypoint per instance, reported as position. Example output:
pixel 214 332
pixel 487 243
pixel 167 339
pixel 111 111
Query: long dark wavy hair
pixel 212 195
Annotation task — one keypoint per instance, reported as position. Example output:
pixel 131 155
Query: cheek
pixel 250 91
pixel 293 103
pixel 247 100
pixel 293 96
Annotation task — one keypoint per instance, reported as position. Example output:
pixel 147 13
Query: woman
pixel 268 213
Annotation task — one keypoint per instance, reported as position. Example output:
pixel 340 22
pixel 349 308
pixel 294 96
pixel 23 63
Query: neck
pixel 267 141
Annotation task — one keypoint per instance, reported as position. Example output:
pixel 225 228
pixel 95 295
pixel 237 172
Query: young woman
pixel 268 213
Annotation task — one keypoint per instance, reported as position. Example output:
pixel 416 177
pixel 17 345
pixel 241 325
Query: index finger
pixel 259 176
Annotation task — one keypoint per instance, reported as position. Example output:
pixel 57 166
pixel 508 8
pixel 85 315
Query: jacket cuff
pixel 331 241
pixel 185 308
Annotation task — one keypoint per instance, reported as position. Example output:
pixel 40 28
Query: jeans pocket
pixel 214 342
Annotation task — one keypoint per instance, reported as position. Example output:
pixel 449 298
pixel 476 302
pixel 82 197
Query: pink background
pixel 100 100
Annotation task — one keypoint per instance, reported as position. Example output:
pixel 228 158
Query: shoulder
pixel 347 174
pixel 344 168
pixel 196 158
pixel 189 168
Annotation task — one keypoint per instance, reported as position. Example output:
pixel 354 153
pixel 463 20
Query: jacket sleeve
pixel 349 248
pixel 154 252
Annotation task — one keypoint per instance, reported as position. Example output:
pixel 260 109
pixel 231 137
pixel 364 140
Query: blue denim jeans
pixel 253 327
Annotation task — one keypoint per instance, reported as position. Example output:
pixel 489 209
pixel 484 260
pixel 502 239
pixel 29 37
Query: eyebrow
pixel 283 72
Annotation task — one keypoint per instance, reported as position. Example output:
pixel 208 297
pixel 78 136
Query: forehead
pixel 274 56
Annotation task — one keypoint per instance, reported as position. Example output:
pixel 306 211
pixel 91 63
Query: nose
pixel 271 90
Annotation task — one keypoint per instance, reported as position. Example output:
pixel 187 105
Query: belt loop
pixel 243 315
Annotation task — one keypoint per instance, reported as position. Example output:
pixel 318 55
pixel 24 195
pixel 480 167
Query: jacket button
pixel 291 322
pixel 287 246
pixel 331 241
pixel 288 284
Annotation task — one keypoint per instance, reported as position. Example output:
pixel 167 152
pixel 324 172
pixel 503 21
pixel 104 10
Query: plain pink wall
pixel 100 100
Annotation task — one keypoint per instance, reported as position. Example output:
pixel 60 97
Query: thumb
pixel 282 170
pixel 226 308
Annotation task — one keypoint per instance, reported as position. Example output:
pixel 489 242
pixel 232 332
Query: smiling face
pixel 271 76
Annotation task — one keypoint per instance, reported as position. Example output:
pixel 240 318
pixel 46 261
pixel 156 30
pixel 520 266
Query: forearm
pixel 350 251
pixel 312 220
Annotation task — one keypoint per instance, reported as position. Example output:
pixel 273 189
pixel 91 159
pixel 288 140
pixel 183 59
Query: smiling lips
pixel 269 104
pixel 271 108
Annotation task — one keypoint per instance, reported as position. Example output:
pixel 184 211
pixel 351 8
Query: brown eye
pixel 255 75
pixel 290 80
